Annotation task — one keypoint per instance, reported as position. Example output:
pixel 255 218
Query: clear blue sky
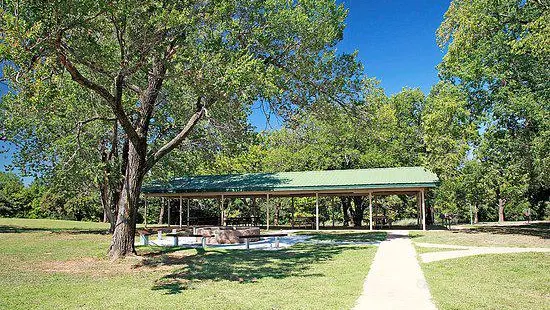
pixel 395 40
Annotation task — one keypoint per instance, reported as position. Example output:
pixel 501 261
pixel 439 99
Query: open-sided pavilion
pixel 352 182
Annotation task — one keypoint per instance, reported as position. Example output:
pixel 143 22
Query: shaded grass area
pixel 16 225
pixel 347 236
pixel 533 235
pixel 63 270
pixel 503 281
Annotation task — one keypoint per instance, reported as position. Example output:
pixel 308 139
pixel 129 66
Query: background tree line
pixel 484 128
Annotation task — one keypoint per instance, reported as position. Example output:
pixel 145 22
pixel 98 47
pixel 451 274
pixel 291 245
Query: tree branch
pixel 169 146
pixel 112 101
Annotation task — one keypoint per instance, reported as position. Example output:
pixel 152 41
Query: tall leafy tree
pixel 447 132
pixel 498 52
pixel 161 66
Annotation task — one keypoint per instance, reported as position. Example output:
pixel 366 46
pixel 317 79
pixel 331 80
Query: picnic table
pixel 247 238
pixel 175 235
pixel 144 236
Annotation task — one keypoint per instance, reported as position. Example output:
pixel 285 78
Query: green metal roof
pixel 353 179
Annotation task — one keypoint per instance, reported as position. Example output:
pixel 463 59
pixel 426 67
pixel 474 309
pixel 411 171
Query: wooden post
pixel 316 211
pixel 187 212
pixel 145 211
pixel 267 212
pixel 423 210
pixel 370 210
pixel 168 201
pixel 181 210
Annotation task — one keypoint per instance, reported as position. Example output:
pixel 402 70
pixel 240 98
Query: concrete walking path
pixel 395 280
pixel 462 251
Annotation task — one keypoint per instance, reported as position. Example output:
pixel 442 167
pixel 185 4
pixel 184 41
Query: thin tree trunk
pixel 161 211
pixel 276 215
pixel 476 219
pixel 501 203
pixel 106 204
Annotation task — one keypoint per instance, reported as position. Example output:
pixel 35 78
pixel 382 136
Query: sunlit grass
pixel 503 281
pixel 65 267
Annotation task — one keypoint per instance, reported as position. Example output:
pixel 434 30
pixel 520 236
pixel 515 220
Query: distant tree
pixel 11 188
pixel 447 131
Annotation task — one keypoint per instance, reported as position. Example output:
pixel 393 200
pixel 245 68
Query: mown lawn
pixel 495 281
pixel 62 265
pixel 501 281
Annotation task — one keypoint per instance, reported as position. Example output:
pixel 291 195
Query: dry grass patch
pixel 534 235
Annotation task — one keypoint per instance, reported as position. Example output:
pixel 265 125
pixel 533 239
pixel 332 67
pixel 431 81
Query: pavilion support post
pixel 187 212
pixel 222 216
pixel 145 211
pixel 423 210
pixel 168 201
pixel 316 211
pixel 292 218
pixel 267 213
pixel 418 208
pixel 370 210
pixel 181 210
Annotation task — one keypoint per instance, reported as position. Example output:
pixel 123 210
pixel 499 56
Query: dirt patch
pixel 104 267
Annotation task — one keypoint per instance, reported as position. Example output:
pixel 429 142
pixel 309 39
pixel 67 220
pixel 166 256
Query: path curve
pixel 462 251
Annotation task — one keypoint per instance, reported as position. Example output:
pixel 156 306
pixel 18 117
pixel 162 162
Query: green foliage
pixel 11 188
pixel 498 53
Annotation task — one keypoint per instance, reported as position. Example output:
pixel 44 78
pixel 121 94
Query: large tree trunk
pixel 501 203
pixel 358 211
pixel 346 202
pixel 476 218
pixel 123 237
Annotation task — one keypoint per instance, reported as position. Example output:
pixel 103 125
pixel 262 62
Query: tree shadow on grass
pixel 349 237
pixel 18 229
pixel 242 266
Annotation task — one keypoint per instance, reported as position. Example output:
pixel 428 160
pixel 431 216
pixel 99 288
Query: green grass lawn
pixel 502 281
pixel 496 281
pixel 63 265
